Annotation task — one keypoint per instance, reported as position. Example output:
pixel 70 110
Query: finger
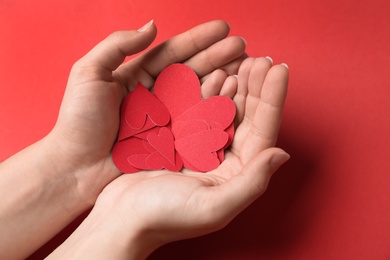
pixel 232 67
pixel 229 87
pixel 217 55
pixel 255 81
pixel 244 188
pixel 266 122
pixel 242 89
pixel 106 56
pixel 250 79
pixel 213 83
pixel 183 46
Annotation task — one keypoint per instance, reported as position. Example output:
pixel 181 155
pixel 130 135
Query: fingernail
pixel 284 64
pixel 271 60
pixel 278 159
pixel 146 26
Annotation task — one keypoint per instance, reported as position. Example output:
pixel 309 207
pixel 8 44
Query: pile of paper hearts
pixel 173 127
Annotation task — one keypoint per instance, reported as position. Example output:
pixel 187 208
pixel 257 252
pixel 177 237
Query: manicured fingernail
pixel 278 159
pixel 284 64
pixel 270 59
pixel 146 26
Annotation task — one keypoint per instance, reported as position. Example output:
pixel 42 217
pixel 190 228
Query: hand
pixel 150 208
pixel 60 176
pixel 87 126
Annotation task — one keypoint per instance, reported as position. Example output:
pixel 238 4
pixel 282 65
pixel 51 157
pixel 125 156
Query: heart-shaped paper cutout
pixel 144 134
pixel 229 130
pixel 143 104
pixel 125 148
pixel 198 148
pixel 218 109
pixel 139 161
pixel 141 111
pixel 163 143
pixel 184 128
pixel 156 161
pixel 178 88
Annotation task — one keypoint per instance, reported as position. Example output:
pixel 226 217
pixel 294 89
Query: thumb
pixel 258 172
pixel 112 51
pixel 242 189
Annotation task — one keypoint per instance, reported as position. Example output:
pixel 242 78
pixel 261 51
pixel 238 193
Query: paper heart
pixel 122 150
pixel 229 130
pixel 139 161
pixel 189 166
pixel 126 131
pixel 217 109
pixel 154 153
pixel 199 149
pixel 141 111
pixel 143 104
pixel 163 143
pixel 178 88
pixel 156 161
pixel 184 128
pixel 144 135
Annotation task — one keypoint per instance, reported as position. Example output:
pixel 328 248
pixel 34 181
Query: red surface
pixel 331 201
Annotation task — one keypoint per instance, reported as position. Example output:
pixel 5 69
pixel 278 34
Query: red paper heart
pixel 189 166
pixel 184 128
pixel 229 130
pixel 141 111
pixel 178 88
pixel 144 135
pixel 217 109
pixel 157 148
pixel 123 149
pixel 139 161
pixel 198 149
pixel 163 143
pixel 143 104
pixel 156 161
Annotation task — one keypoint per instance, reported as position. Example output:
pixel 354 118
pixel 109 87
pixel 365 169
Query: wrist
pixel 61 175
pixel 131 237
pixel 31 199
pixel 83 172
pixel 104 235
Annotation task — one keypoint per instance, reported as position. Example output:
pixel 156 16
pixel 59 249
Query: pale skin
pixel 71 169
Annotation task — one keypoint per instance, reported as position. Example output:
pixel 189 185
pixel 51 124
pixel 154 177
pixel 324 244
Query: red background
pixel 331 201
